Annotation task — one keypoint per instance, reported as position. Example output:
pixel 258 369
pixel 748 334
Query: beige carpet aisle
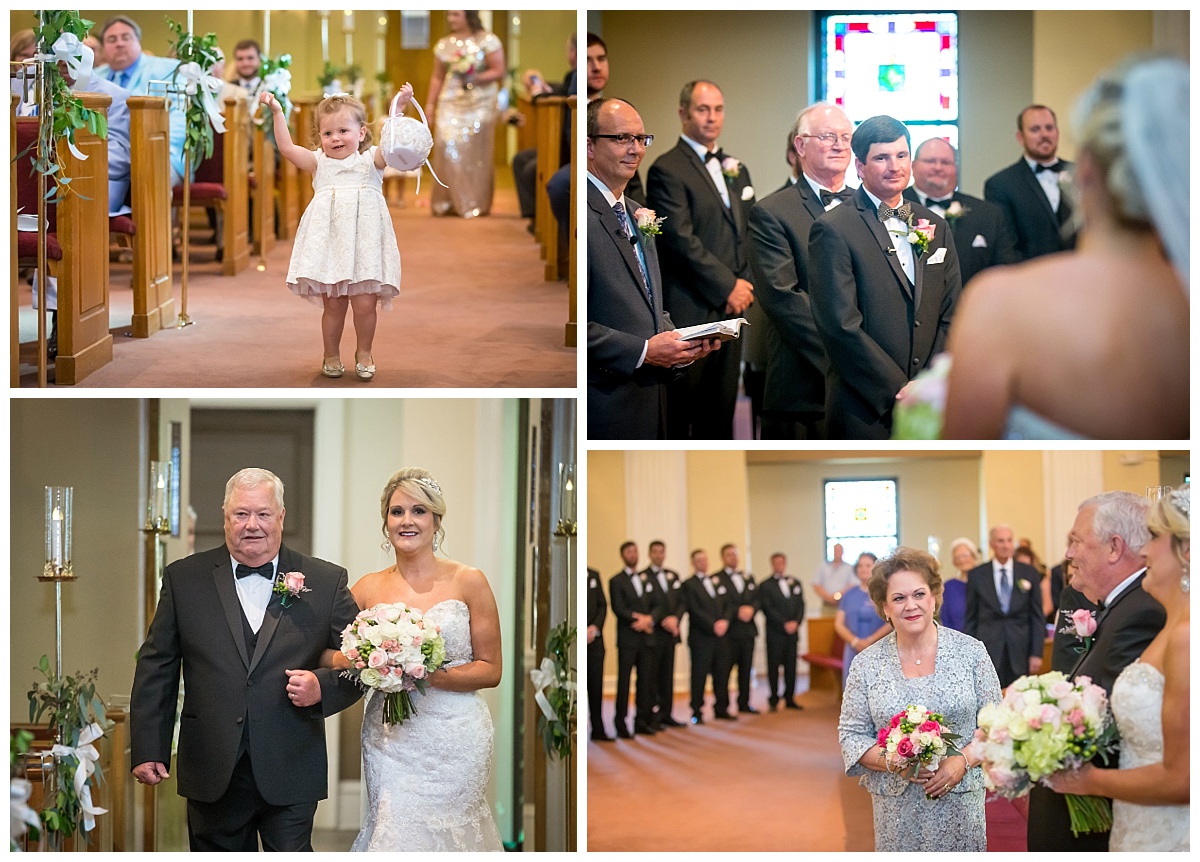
pixel 473 311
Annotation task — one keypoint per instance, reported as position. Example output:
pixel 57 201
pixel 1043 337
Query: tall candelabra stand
pixel 566 528
pixel 157 523
pixel 58 568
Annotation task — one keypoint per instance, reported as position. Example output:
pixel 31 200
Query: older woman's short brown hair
pixel 904 560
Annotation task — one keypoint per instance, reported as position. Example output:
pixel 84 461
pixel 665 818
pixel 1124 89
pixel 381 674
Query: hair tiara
pixel 430 484
pixel 1181 499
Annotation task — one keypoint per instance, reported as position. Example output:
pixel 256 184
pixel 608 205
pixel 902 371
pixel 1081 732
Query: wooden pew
pixel 573 241
pixel 14 333
pixel 237 187
pixel 287 196
pixel 824 655
pixel 527 131
pixel 263 229
pixel 551 112
pixel 150 198
pixel 303 134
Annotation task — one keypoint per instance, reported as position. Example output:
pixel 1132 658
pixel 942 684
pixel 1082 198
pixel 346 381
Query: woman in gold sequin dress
pixel 468 69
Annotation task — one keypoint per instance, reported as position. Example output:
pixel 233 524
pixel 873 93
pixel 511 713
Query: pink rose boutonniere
pixel 289 586
pixel 731 167
pixel 647 222
pixel 920 235
pixel 1082 624
pixel 1024 585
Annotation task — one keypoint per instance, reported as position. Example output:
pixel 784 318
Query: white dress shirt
pixel 1048 180
pixel 254 593
pixel 818 188
pixel 898 231
pixel 1121 587
pixel 1012 581
pixel 713 166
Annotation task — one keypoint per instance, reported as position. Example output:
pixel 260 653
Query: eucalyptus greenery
pixel 72 705
pixel 198 140
pixel 558 735
pixel 328 74
pixel 68 113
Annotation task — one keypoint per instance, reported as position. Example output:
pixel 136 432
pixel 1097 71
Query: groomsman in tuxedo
pixel 982 236
pixel 744 595
pixel 704 196
pixel 632 345
pixel 710 609
pixel 597 610
pixel 251 759
pixel 882 305
pixel 794 398
pixel 666 633
pixel 783 606
pixel 1004 609
pixel 1105 539
pixel 1033 192
pixel 638 605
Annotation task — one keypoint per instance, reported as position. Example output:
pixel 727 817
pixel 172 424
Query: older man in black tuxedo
pixel 982 236
pixel 632 343
pixel 794 396
pixel 638 605
pixel 704 196
pixel 882 292
pixel 1004 609
pixel 1034 192
pixel 1104 545
pixel 251 759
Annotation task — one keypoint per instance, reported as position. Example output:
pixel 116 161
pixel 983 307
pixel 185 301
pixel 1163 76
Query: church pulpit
pixel 573 234
pixel 150 199
pixel 263 229
pixel 551 113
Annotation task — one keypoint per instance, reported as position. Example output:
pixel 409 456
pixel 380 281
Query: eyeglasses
pixel 627 139
pixel 828 138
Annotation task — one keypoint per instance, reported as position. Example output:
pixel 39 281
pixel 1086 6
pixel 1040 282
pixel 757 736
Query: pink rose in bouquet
pixel 914 738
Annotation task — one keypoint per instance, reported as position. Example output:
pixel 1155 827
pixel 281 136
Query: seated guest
pixel 247 61
pixel 965 556
pixel 858 623
pixel 22 45
pixel 524 163
pixel 1111 317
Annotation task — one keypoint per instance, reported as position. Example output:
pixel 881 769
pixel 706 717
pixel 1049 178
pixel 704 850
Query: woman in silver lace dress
pixel 468 67
pixel 919 663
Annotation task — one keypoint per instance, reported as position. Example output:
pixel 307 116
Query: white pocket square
pixel 938 257
pixel 747 193
pixel 979 241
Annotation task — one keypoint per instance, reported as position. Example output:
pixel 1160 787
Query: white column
pixel 1070 478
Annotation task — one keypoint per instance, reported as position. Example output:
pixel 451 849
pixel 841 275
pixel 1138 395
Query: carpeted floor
pixel 767 782
pixel 473 311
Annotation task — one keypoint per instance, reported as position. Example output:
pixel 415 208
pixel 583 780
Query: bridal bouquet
pixel 1044 724
pixel 916 737
pixel 393 648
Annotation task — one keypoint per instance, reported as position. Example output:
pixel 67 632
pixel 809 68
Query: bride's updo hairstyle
pixel 1171 515
pixel 420 485
pixel 904 560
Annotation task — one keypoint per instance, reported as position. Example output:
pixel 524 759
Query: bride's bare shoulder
pixel 366 588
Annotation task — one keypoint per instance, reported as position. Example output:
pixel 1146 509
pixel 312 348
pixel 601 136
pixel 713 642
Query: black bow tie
pixel 828 196
pixel 1057 167
pixel 266 570
pixel 902 212
pixel 944 203
pixel 719 155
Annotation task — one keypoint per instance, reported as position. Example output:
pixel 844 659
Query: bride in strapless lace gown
pixel 427 777
pixel 1150 701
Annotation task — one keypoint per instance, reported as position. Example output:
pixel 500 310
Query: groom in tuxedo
pixel 251 755
pixel 881 305
pixel 1004 610
pixel 1104 545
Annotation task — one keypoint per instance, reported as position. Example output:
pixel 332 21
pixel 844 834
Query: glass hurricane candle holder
pixel 158 498
pixel 58 534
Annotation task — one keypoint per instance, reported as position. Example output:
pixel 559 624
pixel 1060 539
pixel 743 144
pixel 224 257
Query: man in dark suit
pixel 632 345
pixel 1033 192
pixel 638 605
pixel 743 631
pixel 524 163
pixel 704 197
pixel 1004 609
pixel 982 236
pixel 666 633
pixel 793 161
pixel 709 611
pixel 251 760
pixel 782 598
pixel 881 303
pixel 1108 532
pixel 794 396
pixel 597 610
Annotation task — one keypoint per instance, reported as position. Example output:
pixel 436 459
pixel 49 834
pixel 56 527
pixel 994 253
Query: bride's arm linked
pixel 334 658
pixel 484 671
pixel 1163 783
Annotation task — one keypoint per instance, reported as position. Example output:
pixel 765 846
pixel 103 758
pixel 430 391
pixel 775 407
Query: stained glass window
pixel 902 65
pixel 861 515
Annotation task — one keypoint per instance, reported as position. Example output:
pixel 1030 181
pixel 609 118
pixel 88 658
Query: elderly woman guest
pixel 857 623
pixel 924 664
pixel 965 556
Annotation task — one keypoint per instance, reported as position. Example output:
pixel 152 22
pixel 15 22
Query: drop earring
pixel 1185 582
pixel 435 545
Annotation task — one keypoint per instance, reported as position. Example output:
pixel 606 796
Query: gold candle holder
pixel 57 566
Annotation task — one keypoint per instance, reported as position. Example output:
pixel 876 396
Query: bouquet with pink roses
pixel 916 737
pixel 393 648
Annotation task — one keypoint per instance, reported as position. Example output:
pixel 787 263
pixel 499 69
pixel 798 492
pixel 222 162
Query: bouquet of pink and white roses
pixel 1044 724
pixel 393 648
pixel 916 737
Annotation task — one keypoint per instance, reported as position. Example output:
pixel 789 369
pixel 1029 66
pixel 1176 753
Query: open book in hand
pixel 721 329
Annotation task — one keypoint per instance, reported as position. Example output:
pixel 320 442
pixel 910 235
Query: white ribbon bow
pixel 279 81
pixel 21 816
pixel 545 677
pixel 75 54
pixel 197 80
pixel 87 755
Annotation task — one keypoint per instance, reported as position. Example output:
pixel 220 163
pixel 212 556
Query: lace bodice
pixel 453 618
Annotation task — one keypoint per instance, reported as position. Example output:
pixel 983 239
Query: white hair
pixel 253 477
pixel 1119 513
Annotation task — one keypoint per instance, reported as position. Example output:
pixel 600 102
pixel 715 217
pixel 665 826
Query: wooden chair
pixel 150 199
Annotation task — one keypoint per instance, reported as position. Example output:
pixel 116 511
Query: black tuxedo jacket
pixel 749 595
pixel 673 601
pixel 626 602
pixel 984 222
pixel 704 244
pixel 597 605
pixel 1022 629
pixel 624 401
pixel 796 364
pixel 778 608
pixel 704 610
pixel 198 624
pixel 1018 193
pixel 878 329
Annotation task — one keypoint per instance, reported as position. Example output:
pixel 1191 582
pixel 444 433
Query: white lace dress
pixel 427 777
pixel 346 244
pixel 1137 701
